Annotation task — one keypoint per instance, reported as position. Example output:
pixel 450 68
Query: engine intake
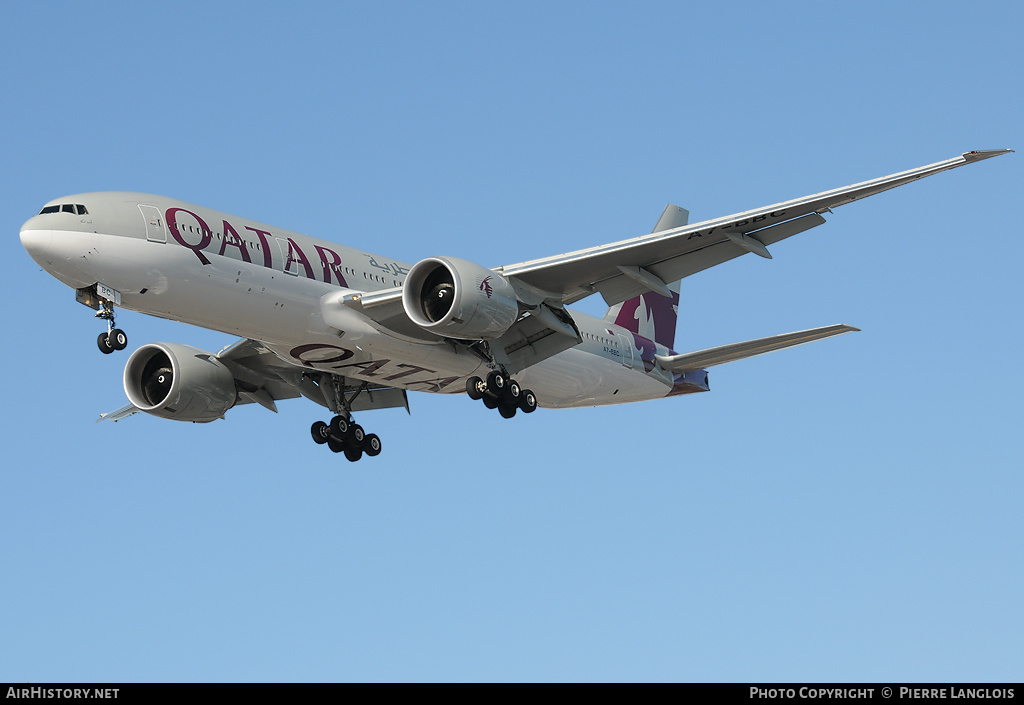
pixel 179 382
pixel 459 299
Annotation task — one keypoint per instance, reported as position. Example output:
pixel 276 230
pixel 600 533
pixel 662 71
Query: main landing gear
pixel 114 338
pixel 343 436
pixel 503 393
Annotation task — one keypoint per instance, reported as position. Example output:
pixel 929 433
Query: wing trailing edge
pixel 703 359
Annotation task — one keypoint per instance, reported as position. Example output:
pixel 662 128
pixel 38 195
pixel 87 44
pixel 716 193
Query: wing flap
pixel 703 359
pixel 381 398
pixel 534 338
pixel 621 288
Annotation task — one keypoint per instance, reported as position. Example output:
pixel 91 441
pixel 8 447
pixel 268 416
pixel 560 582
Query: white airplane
pixel 354 331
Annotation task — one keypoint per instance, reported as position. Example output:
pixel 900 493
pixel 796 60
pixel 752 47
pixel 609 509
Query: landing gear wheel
pixel 356 434
pixel 117 339
pixel 104 344
pixel 353 454
pixel 339 426
pixel 474 388
pixel 528 401
pixel 496 383
pixel 321 432
pixel 371 444
pixel 507 411
pixel 335 445
pixel 512 392
pixel 490 402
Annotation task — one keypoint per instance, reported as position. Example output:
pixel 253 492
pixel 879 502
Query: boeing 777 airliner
pixel 353 330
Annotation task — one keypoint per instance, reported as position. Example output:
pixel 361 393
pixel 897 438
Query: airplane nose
pixel 37 243
pixel 56 252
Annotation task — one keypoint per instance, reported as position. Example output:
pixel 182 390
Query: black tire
pixel 528 401
pixel 321 432
pixel 490 402
pixel 512 392
pixel 118 339
pixel 353 454
pixel 507 411
pixel 496 383
pixel 371 444
pixel 335 445
pixel 339 427
pixel 356 434
pixel 104 344
pixel 474 388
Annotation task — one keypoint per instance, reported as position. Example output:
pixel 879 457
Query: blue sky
pixel 848 510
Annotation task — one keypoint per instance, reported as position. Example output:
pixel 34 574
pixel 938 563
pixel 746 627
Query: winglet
pixel 978 155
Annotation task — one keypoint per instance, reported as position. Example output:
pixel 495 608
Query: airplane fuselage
pixel 192 264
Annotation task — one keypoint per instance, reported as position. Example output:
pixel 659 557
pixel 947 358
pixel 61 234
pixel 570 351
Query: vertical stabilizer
pixel 652 315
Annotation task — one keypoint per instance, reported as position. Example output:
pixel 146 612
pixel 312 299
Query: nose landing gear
pixel 114 338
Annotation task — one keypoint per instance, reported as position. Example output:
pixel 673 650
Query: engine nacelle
pixel 459 299
pixel 179 382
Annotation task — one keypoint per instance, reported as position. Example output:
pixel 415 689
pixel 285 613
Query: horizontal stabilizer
pixel 121 413
pixel 737 351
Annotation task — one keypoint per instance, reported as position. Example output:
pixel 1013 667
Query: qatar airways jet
pixel 353 331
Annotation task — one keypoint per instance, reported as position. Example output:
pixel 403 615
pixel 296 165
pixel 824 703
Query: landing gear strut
pixel 114 338
pixel 503 393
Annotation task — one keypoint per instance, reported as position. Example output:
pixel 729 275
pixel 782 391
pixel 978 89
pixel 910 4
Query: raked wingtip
pixel 979 154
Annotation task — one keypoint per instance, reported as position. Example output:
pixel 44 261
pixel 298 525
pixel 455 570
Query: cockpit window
pixel 74 209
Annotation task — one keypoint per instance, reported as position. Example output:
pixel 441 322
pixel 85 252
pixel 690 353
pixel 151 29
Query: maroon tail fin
pixel 650 315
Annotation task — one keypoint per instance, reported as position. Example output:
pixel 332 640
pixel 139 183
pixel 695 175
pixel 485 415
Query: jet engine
pixel 179 382
pixel 459 299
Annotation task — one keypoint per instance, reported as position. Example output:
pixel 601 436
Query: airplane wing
pixel 624 269
pixel 261 377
